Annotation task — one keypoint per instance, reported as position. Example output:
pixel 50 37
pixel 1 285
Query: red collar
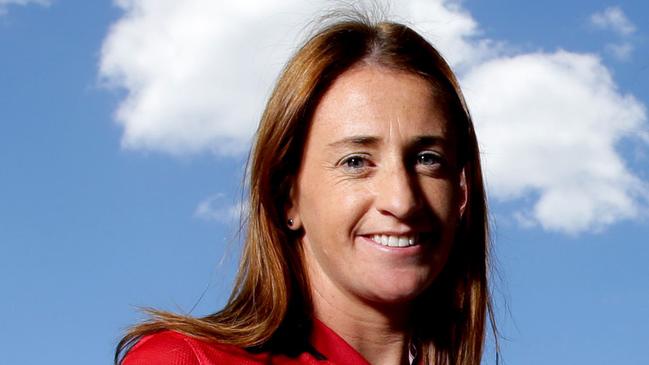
pixel 334 347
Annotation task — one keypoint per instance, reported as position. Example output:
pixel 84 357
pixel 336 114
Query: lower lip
pixel 408 250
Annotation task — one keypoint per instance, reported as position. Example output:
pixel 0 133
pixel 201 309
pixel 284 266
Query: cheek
pixel 442 198
pixel 332 206
pixel 331 212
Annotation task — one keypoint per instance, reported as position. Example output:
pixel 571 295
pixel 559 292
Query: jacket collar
pixel 333 347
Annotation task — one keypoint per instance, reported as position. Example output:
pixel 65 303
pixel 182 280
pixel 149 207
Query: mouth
pixel 390 240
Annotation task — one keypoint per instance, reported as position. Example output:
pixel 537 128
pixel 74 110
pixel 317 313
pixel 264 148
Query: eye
pixel 428 159
pixel 354 162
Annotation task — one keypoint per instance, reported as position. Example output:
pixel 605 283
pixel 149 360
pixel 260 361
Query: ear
pixel 293 221
pixel 464 193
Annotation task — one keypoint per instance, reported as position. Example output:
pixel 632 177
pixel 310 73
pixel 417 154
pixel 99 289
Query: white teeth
pixel 394 241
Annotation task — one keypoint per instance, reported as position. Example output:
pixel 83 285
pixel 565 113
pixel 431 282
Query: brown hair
pixel 271 293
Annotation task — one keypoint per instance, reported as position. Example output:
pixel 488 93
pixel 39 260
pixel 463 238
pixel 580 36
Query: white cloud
pixel 5 3
pixel 197 73
pixel 217 208
pixel 613 18
pixel 549 125
pixel 621 51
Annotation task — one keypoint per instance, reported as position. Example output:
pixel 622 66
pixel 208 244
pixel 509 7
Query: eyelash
pixel 437 161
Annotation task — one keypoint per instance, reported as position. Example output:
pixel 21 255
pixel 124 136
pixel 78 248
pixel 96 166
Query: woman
pixel 367 232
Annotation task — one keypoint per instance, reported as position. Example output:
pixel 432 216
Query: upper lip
pixel 392 233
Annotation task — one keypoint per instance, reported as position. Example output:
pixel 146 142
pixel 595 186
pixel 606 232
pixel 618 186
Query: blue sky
pixel 123 138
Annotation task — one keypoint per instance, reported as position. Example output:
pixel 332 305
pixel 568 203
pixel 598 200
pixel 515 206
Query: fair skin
pixel 377 197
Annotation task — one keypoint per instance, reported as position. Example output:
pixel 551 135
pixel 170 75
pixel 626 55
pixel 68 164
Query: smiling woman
pixel 367 235
pixel 378 195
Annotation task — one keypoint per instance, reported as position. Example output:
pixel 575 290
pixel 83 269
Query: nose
pixel 397 192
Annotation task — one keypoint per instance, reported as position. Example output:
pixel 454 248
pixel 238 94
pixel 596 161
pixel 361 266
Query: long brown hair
pixel 271 299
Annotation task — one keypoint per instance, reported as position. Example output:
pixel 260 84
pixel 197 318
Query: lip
pixel 392 233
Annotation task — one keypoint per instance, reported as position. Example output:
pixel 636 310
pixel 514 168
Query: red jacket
pixel 173 348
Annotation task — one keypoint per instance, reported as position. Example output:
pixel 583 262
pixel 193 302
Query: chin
pixel 399 291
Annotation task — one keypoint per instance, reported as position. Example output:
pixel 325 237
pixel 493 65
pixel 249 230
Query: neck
pixel 380 333
pixel 376 336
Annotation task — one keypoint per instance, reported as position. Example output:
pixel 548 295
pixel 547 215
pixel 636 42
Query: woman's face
pixel 378 195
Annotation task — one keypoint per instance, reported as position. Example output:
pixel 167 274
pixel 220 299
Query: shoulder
pixel 174 348
pixel 167 347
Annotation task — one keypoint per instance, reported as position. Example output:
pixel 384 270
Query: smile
pixel 394 241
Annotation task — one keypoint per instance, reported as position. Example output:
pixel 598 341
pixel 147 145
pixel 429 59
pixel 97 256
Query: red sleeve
pixel 163 348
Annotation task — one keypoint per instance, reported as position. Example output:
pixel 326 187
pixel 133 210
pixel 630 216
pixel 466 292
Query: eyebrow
pixel 430 140
pixel 355 141
pixel 368 141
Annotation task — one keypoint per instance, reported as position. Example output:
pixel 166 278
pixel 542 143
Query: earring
pixel 290 222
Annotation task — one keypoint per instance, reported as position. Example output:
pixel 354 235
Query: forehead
pixel 376 101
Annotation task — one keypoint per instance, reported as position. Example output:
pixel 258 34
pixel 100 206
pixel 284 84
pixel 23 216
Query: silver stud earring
pixel 290 222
